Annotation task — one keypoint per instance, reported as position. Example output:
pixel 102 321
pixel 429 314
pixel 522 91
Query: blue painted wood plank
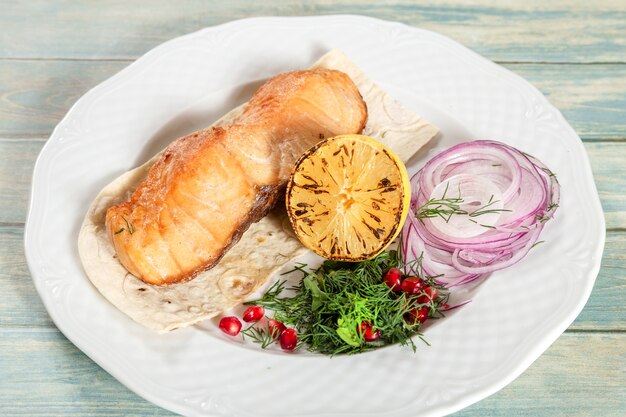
pixel 606 306
pixel 37 94
pixel 581 375
pixel 16 169
pixel 534 30
pixel 591 97
pixel 22 307
pixel 608 161
pixel 43 374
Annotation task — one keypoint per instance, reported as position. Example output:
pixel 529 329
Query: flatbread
pixel 263 249
pixel 388 121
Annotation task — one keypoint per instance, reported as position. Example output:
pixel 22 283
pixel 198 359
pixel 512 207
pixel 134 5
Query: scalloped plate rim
pixel 121 376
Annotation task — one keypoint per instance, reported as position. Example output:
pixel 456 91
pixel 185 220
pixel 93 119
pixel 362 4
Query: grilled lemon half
pixel 348 197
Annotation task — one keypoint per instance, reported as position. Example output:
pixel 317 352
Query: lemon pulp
pixel 348 197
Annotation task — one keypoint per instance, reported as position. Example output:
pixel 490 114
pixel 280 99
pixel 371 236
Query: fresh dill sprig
pixel 260 335
pixel 542 219
pixel 486 210
pixel 330 303
pixel 550 174
pixel 440 207
pixel 414 268
pixel 537 243
pixel 129 227
pixel 444 207
pixel 552 206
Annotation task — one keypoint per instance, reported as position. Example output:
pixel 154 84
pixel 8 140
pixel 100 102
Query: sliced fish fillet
pixel 208 187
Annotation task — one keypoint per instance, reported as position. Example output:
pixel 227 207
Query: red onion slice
pixel 477 207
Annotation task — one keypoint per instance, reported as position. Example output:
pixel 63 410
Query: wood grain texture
pixel 16 169
pixel 37 94
pixel 39 367
pixel 43 374
pixel 608 161
pixel 22 307
pixel 591 97
pixel 534 30
pixel 579 376
pixel 573 51
pixel 606 308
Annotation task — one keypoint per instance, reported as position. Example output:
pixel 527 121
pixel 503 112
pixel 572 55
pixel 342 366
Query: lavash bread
pixel 267 245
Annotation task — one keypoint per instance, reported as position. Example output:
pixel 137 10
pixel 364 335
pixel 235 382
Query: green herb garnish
pixel 486 210
pixel 330 304
pixel 542 219
pixel 446 207
pixel 260 335
pixel 129 227
pixel 537 243
pixel 550 174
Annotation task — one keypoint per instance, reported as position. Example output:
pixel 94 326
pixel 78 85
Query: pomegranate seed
pixel 369 335
pixel 288 339
pixel 393 279
pixel 254 313
pixel 230 325
pixel 430 294
pixel 432 291
pixel 276 328
pixel 412 285
pixel 417 314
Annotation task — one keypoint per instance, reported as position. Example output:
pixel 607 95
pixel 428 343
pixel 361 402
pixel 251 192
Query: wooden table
pixel 51 52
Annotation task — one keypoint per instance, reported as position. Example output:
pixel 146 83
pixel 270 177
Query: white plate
pixel 188 82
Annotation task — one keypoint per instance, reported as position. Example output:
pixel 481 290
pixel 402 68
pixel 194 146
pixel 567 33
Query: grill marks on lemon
pixel 348 197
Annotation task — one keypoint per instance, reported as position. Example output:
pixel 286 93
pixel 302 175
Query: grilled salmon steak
pixel 206 188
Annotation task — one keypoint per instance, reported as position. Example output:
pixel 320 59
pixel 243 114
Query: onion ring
pixel 477 207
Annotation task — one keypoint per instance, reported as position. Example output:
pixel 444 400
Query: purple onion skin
pixel 531 192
